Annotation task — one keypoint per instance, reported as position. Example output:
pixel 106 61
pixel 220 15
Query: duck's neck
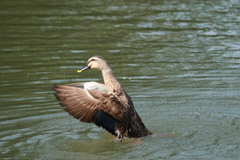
pixel 113 86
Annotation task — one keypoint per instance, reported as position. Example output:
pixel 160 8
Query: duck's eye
pixel 91 60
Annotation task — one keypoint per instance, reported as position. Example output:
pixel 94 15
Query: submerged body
pixel 107 105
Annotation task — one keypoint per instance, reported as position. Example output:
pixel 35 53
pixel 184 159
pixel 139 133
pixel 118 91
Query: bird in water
pixel 105 104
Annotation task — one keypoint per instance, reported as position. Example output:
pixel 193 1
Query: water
pixel 178 60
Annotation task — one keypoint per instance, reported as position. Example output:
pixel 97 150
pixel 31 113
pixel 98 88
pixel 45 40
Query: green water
pixel 178 60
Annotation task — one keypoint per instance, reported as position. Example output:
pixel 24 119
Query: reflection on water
pixel 179 61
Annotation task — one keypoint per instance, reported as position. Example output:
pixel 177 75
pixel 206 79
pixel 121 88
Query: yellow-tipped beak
pixel 83 69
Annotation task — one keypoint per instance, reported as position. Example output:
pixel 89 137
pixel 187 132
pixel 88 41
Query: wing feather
pixel 82 103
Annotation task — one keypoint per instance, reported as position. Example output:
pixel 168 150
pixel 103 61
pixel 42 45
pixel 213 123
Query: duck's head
pixel 96 62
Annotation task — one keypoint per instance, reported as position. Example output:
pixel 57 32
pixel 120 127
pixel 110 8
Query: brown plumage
pixel 107 105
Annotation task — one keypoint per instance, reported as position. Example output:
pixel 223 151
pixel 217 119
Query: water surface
pixel 178 60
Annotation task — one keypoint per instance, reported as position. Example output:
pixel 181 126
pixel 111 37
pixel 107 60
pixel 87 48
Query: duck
pixel 106 105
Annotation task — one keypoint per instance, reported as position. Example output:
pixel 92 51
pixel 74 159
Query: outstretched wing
pixel 90 105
